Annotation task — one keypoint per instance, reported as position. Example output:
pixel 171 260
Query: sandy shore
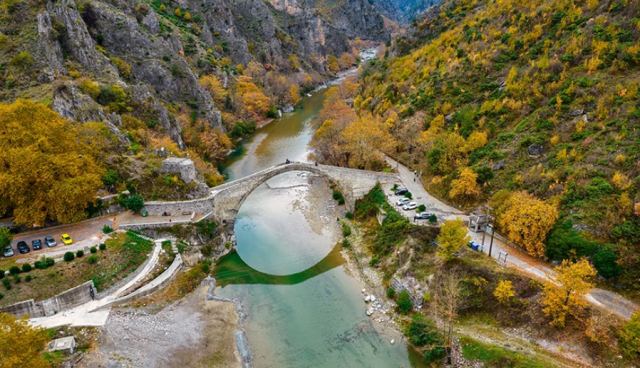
pixel 193 332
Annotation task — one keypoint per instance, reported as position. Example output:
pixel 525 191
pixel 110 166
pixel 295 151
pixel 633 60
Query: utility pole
pixel 490 226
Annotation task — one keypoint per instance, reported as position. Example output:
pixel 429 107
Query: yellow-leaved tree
pixel 466 186
pixel 215 87
pixel 453 236
pixel 526 220
pixel 255 103
pixel 363 141
pixel 504 291
pixel 566 298
pixel 22 345
pixel 48 168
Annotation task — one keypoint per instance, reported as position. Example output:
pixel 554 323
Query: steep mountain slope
pixel 537 96
pixel 196 72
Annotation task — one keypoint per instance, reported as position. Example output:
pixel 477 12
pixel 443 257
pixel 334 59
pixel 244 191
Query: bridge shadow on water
pixel 232 270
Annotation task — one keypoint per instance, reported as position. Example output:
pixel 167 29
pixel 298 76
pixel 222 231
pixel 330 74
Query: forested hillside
pixel 532 107
pixel 161 76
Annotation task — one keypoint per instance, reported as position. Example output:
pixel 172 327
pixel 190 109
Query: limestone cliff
pixel 152 52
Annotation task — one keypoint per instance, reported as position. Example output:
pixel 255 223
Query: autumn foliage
pixel 526 221
pixel 567 297
pixel 453 236
pixel 22 345
pixel 48 168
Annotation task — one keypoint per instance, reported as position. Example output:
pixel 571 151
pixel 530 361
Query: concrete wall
pixel 63 301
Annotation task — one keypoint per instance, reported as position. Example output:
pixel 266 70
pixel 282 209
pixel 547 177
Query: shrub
pixel 133 202
pixel 422 208
pixel 629 337
pixel 1 296
pixel 89 87
pixel 1 274
pixel 338 196
pixel 93 259
pixel 107 229
pixel 391 293
pixel 26 267
pixel 28 278
pixel 80 254
pixel 69 256
pixel 422 331
pixel 93 250
pixel 124 68
pixel 207 250
pixel 405 305
pixel 435 354
pixel 6 283
pixel 346 243
pixel 48 262
pixel 346 230
pixel 102 246
pixel 22 59
pixel 17 279
pixel 349 215
pixel 408 195
pixel 14 270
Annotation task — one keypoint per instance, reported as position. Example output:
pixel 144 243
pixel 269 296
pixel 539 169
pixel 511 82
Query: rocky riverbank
pixel 193 332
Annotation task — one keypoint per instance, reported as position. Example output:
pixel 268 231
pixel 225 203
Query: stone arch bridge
pixel 224 201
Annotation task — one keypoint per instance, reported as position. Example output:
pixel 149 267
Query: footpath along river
pixel 303 307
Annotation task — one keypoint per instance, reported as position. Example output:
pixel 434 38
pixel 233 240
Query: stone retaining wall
pixel 66 300
pixel 203 205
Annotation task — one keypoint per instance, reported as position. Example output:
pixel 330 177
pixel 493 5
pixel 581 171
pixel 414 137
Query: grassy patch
pixel 124 254
pixel 496 356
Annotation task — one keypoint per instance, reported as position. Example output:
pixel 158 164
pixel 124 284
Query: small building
pixel 63 344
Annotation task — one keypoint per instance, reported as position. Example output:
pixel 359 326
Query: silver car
pixel 410 206
pixel 8 251
pixel 402 201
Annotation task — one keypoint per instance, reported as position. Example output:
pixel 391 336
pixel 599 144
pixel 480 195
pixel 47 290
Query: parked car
pixel 23 247
pixel 50 241
pixel 422 216
pixel 66 239
pixel 401 191
pixel 410 206
pixel 402 201
pixel 36 244
pixel 475 246
pixel 8 251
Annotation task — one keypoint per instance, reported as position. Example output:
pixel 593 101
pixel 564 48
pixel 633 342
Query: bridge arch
pixel 353 183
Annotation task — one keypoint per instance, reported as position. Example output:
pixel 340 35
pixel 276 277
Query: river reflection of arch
pixel 232 270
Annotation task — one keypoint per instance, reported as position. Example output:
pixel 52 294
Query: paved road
pixel 503 252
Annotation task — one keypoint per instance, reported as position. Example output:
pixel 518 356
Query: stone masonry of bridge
pixel 224 201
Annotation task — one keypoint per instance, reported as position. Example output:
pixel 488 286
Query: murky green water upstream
pixel 303 307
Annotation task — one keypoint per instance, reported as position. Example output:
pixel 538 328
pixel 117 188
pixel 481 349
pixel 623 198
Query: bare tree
pixel 446 301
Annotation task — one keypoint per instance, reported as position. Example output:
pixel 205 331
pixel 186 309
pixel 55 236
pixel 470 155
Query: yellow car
pixel 66 239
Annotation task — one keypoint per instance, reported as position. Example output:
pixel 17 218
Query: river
pixel 303 307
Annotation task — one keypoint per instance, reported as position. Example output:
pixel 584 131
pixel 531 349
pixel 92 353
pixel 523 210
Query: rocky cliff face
pixel 155 53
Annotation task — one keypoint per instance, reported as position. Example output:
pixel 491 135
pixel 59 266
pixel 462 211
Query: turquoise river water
pixel 303 307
